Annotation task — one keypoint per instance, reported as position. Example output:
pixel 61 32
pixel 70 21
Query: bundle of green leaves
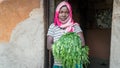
pixel 68 49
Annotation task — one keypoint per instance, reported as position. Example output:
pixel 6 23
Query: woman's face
pixel 63 14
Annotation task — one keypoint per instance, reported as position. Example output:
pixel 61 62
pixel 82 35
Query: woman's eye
pixel 67 12
pixel 64 12
pixel 61 12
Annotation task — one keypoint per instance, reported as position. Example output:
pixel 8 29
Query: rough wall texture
pixel 115 40
pixel 11 13
pixel 23 26
pixel 26 46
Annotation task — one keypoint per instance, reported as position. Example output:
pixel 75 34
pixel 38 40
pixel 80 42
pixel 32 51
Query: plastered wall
pixel 22 34
pixel 115 40
pixel 11 13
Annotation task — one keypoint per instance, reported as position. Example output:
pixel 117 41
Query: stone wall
pixel 115 39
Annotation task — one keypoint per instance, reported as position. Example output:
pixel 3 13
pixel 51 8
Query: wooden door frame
pixel 48 17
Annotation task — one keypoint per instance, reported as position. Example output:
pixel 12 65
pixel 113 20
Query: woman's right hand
pixel 49 42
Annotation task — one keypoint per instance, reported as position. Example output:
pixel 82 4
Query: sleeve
pixel 77 28
pixel 51 30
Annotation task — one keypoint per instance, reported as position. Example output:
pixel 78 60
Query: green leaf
pixel 70 51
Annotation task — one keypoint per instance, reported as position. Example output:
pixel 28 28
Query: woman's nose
pixel 64 14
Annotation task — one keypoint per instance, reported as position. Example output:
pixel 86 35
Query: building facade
pixel 24 25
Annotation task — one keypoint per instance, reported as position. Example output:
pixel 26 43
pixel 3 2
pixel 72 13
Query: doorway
pixel 94 17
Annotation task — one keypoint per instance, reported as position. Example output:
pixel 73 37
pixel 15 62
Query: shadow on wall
pixel 26 45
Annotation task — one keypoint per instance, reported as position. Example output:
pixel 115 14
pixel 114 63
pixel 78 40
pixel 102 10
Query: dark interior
pixel 94 17
pixel 96 28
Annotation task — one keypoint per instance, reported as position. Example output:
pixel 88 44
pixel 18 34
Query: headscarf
pixel 69 21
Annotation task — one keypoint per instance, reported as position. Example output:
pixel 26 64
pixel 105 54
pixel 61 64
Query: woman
pixel 63 23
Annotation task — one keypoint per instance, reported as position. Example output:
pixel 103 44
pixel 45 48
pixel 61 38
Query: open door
pixel 94 17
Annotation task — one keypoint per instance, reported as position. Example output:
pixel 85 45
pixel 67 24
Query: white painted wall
pixel 115 38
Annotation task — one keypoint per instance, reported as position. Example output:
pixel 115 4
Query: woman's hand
pixel 49 42
pixel 82 38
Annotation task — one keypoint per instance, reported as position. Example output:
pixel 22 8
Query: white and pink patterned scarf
pixel 69 21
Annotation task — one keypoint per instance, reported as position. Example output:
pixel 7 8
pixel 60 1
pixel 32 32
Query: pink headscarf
pixel 69 21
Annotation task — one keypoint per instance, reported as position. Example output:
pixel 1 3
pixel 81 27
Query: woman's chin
pixel 63 23
pixel 63 19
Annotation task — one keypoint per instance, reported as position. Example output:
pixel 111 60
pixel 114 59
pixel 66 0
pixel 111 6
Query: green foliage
pixel 69 50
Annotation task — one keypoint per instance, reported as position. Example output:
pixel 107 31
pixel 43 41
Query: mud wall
pixel 11 13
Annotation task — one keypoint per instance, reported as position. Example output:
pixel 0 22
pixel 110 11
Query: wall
pixel 98 41
pixel 115 40
pixel 11 13
pixel 23 47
